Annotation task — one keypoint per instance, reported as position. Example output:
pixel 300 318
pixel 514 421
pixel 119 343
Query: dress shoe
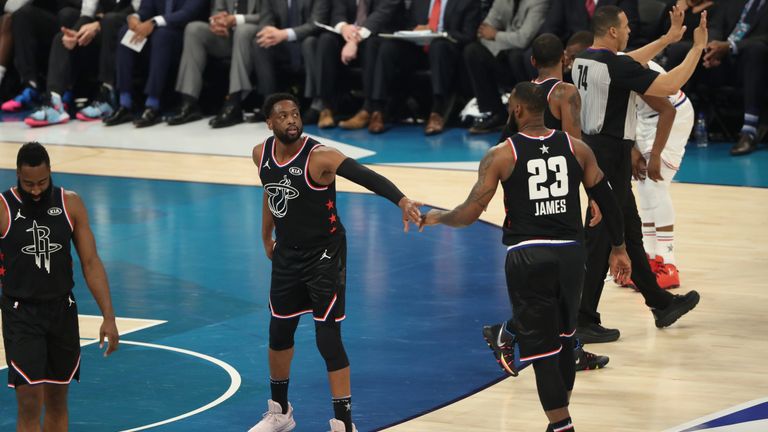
pixel 189 112
pixel 745 145
pixel 122 115
pixel 358 121
pixel 310 116
pixel 326 120
pixel 149 117
pixel 230 115
pixel 494 123
pixel 376 125
pixel 595 333
pixel 435 124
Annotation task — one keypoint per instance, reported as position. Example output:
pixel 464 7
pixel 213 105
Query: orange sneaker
pixel 667 276
pixel 655 263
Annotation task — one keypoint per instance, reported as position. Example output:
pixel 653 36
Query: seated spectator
pixel 72 50
pixel 357 24
pixel 33 25
pixel 397 59
pixel 509 25
pixel 229 32
pixel 738 47
pixel 162 23
pixel 287 44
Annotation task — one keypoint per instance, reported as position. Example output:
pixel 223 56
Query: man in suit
pixel 510 25
pixel 162 23
pixel 354 42
pixel 229 32
pixel 286 43
pixel 739 47
pixel 73 50
pixel 459 19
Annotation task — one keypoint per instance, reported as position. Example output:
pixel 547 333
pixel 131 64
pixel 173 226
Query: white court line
pixel 234 377
pixel 718 414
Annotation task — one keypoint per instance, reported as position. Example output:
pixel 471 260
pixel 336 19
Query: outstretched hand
pixel 432 217
pixel 411 212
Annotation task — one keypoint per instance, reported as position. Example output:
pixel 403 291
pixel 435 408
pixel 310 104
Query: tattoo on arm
pixel 574 102
pixel 478 199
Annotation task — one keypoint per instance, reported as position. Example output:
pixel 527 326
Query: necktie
pixel 434 15
pixel 294 20
pixel 590 6
pixel 751 16
pixel 362 12
pixel 241 8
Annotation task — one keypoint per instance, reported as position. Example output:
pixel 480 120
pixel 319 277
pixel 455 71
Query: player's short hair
pixel 547 50
pixel 273 99
pixel 583 38
pixel 532 96
pixel 604 18
pixel 32 154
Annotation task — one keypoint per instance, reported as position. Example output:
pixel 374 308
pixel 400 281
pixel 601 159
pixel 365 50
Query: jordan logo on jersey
pixel 266 165
pixel 279 194
pixel 19 215
pixel 41 246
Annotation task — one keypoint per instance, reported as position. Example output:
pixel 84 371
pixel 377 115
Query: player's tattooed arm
pixel 574 111
pixel 482 192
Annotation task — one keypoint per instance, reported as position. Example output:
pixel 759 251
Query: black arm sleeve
pixel 612 216
pixel 351 170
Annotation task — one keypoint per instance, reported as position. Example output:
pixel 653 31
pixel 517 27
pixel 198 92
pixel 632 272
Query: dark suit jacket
pixel 567 17
pixel 725 18
pixel 184 11
pixel 276 14
pixel 460 19
pixel 384 16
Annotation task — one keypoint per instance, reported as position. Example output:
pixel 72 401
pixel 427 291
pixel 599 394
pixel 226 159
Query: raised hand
pixel 676 28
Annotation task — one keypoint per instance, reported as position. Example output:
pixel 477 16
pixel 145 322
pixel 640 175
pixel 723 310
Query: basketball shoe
pixel 274 420
pixel 680 305
pixel 51 112
pixel 338 426
pixel 585 360
pixel 667 276
pixel 505 348
pixel 25 100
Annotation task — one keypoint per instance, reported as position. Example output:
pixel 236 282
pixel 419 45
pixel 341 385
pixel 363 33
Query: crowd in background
pixel 223 57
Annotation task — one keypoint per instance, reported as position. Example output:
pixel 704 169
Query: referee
pixel 608 84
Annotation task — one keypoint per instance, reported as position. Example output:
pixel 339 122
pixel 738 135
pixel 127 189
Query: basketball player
pixel 308 252
pixel 663 128
pixel 540 171
pixel 38 223
pixel 562 113
pixel 608 84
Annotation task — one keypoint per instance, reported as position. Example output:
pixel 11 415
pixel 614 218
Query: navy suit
pixel 164 44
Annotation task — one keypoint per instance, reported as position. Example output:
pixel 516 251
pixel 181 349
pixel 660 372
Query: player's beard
pixel 32 206
pixel 286 139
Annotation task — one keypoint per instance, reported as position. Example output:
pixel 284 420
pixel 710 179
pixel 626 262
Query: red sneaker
pixel 655 263
pixel 667 276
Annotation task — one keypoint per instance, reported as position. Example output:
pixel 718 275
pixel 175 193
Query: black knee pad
pixel 281 333
pixel 328 335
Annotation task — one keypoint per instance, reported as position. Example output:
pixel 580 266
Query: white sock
pixel 2 73
pixel 665 246
pixel 649 240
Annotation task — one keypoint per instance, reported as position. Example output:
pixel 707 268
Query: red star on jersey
pixel 2 271
pixel 329 204
pixel 332 218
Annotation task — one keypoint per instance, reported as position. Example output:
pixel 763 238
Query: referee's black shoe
pixel 680 305
pixel 494 123
pixel 595 333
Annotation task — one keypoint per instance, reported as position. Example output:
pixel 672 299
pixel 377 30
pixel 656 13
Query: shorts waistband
pixel 540 242
pixel 37 301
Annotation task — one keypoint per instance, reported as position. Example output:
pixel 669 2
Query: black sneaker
pixel 595 333
pixel 505 349
pixel 587 361
pixel 493 123
pixel 681 305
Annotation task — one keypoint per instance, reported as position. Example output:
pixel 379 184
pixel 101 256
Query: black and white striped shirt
pixel 608 85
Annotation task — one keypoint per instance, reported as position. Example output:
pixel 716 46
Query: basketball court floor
pixel 176 213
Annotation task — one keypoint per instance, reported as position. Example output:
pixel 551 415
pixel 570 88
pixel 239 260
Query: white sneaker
pixel 338 426
pixel 275 421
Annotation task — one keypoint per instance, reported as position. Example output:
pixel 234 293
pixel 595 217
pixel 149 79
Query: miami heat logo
pixel 279 194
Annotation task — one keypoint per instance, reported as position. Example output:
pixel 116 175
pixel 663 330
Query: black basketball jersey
pixel 304 212
pixel 36 249
pixel 550 121
pixel 541 197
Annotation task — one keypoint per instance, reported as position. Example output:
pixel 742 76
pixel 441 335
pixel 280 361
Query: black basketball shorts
pixel 311 280
pixel 544 280
pixel 42 341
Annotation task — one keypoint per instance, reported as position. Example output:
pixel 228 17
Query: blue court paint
pixel 749 416
pixel 191 254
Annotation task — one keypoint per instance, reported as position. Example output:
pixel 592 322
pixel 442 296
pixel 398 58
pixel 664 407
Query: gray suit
pixel 200 42
pixel 268 60
pixel 515 30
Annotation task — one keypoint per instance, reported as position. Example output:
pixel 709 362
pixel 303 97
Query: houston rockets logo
pixel 41 246
pixel 279 194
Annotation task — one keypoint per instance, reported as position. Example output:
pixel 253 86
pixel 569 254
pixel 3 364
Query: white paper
pixel 134 46
pixel 326 27
pixel 419 37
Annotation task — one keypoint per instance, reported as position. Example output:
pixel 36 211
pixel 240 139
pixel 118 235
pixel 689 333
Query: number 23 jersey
pixel 541 196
